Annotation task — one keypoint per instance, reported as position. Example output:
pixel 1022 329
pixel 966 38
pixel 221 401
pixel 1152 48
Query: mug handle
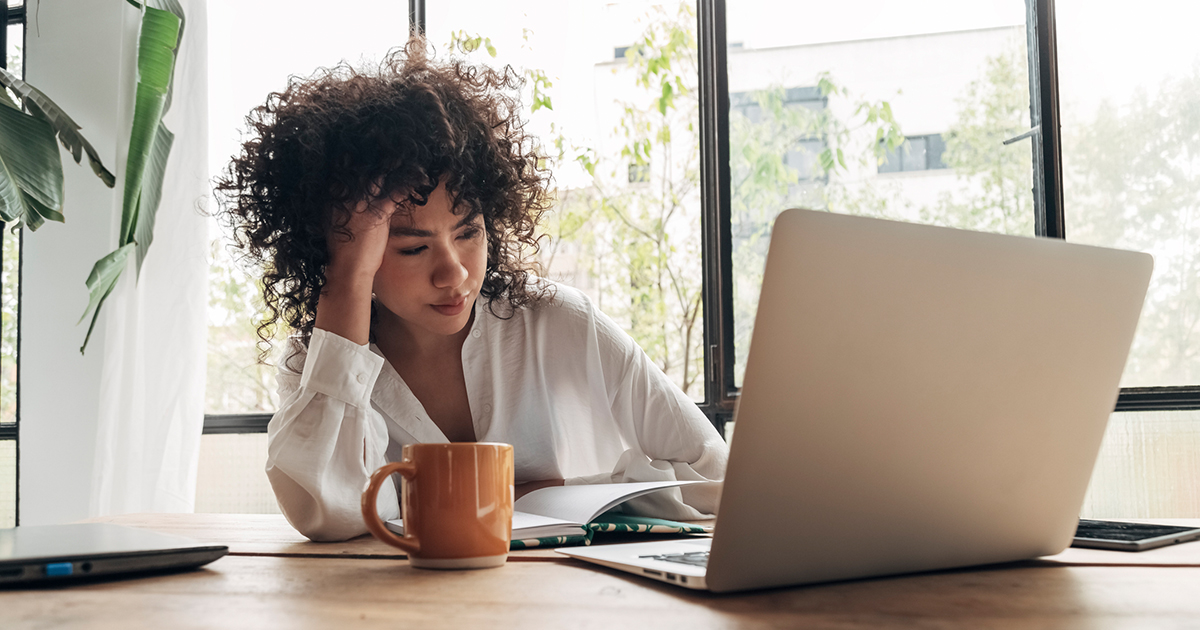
pixel 408 542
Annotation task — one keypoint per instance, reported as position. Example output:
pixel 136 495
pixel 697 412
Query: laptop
pixel 36 554
pixel 915 398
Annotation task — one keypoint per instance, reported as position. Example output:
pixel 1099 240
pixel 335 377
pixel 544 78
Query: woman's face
pixel 433 267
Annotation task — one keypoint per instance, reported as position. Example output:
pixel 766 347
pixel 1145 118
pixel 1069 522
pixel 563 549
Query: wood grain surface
pixel 274 578
pixel 323 592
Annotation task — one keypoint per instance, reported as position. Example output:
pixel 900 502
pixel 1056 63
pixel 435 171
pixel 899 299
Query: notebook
pixel 566 515
pixel 61 553
pixel 915 398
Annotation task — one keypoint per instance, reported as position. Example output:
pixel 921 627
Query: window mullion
pixel 1049 220
pixel 719 391
pixel 416 16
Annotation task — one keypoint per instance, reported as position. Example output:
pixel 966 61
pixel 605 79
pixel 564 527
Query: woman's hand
pixel 523 489
pixel 344 307
pixel 361 253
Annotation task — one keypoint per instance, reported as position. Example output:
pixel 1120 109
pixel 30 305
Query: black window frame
pixel 720 392
pixel 11 431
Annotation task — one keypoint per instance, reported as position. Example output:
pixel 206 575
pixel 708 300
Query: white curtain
pixel 151 409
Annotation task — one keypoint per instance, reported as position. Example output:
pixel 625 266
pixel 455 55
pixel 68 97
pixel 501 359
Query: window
pixel 787 121
pixel 240 395
pixel 816 106
pixel 927 65
pixel 1131 179
pixel 917 153
pixel 611 93
pixel 11 41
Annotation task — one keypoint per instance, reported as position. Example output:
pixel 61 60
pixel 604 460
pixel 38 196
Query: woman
pixel 392 213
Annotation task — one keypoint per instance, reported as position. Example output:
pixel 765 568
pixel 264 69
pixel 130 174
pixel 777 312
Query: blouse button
pixel 362 378
pixel 476 333
pixel 487 409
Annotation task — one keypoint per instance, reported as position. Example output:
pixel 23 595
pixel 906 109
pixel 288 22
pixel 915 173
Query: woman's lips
pixel 451 308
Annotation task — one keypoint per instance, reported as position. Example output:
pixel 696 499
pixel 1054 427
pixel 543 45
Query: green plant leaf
pixel 39 212
pixel 30 169
pixel 173 7
pixel 147 156
pixel 143 233
pixel 100 283
pixel 67 130
pixel 156 61
pixel 146 117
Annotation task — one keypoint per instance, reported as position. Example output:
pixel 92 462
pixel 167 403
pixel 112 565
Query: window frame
pixel 720 392
pixel 11 431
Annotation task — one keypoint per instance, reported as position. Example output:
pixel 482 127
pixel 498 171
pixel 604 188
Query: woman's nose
pixel 448 271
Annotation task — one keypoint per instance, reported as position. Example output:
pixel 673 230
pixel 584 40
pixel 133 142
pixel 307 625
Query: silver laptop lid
pixel 918 398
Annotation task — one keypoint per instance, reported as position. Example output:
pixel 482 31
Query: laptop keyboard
pixel 694 558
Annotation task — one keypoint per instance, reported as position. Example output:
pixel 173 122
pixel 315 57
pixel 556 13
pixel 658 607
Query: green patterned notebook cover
pixel 614 523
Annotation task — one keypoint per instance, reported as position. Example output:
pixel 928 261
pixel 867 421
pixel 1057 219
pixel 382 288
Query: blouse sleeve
pixel 326 440
pixel 669 437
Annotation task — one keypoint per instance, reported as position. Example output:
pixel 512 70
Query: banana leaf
pixel 38 213
pixel 31 177
pixel 152 192
pixel 156 61
pixel 67 130
pixel 156 166
pixel 175 8
pixel 100 284
pixel 149 146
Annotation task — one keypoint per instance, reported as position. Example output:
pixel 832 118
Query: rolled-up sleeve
pixel 326 440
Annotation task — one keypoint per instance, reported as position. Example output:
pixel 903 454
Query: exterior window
pixel 821 114
pixel 793 113
pixel 10 292
pixel 918 153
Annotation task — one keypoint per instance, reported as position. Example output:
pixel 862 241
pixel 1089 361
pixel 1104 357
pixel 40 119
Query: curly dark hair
pixel 346 135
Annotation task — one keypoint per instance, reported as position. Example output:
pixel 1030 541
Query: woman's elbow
pixel 313 518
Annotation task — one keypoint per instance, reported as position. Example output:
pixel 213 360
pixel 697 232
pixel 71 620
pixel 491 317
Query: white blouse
pixel 560 381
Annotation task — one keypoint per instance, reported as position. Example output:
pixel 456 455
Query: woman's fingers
pixel 359 248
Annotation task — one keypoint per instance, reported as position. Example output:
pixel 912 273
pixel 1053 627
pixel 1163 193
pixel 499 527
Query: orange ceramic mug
pixel 456 502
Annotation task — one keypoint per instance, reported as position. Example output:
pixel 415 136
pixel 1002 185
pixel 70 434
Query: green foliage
pixel 844 135
pixel 236 381
pixel 149 147
pixel 67 130
pixel 9 292
pixel 461 41
pixel 639 241
pixel 643 237
pixel 998 177
pixel 10 289
pixel 31 177
pixel 1133 181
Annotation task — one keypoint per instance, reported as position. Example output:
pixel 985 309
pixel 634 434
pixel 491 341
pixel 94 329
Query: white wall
pixel 75 53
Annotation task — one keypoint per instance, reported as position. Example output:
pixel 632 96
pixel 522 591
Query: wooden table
pixel 273 578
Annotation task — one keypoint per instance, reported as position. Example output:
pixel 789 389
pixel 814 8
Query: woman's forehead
pixel 437 214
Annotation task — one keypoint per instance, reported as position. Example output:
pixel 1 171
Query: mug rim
pixel 457 444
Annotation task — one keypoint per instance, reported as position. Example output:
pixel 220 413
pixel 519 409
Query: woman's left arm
pixel 672 440
pixel 667 437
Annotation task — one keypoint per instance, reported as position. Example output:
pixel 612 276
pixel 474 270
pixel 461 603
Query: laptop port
pixel 651 572
pixel 671 576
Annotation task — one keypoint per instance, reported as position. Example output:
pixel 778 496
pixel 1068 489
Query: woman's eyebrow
pixel 404 230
